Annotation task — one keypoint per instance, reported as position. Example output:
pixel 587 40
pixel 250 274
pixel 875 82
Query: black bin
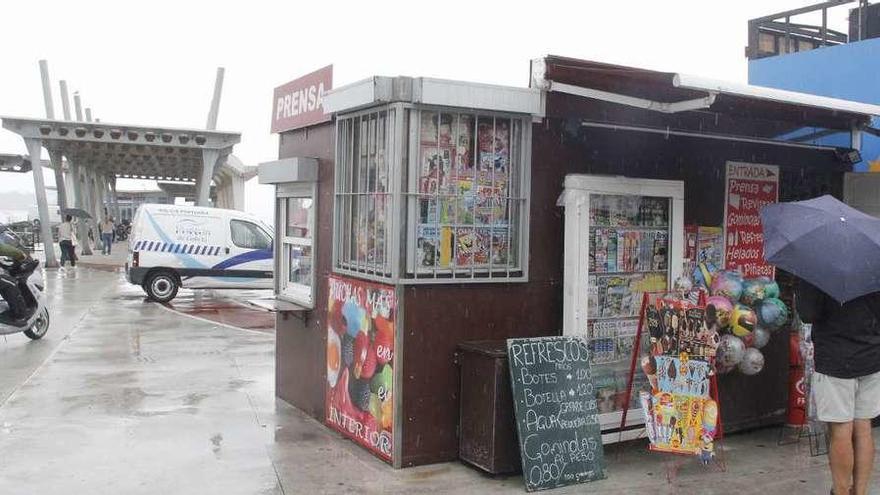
pixel 487 426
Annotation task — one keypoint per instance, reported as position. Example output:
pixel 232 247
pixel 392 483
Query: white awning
pixel 698 83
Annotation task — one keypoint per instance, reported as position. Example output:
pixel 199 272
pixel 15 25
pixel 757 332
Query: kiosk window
pixel 297 260
pixel 431 196
pixel 248 235
pixel 466 201
pixel 363 193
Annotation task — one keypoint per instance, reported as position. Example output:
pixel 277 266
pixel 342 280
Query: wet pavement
pixel 226 307
pixel 125 396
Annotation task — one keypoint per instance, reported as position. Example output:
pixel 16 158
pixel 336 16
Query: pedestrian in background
pixel 65 241
pixel 846 383
pixel 107 235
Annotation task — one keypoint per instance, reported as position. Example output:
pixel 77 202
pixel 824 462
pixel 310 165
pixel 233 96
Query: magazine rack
pixel 673 465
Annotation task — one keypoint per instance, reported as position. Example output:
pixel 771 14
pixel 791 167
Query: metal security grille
pixel 465 196
pixel 431 196
pixel 363 193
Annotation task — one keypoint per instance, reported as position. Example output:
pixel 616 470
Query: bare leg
pixel 863 446
pixel 840 456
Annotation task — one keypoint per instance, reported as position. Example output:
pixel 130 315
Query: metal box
pixel 487 426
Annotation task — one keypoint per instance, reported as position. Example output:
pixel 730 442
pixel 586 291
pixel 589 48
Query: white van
pixel 194 247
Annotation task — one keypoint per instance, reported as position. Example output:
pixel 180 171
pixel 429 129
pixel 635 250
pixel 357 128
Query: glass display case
pixel 624 238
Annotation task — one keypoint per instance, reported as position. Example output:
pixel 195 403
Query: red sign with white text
pixel 360 356
pixel 748 188
pixel 300 102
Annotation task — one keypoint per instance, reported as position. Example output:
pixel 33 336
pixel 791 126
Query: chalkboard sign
pixel 560 440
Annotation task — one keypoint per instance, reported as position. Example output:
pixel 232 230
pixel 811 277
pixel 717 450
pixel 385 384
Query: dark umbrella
pixel 825 242
pixel 76 213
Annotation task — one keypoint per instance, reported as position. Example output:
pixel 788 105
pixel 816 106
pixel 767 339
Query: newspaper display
pixel 464 186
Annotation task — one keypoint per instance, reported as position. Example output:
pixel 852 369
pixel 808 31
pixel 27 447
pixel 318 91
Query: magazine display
pixel 628 257
pixel 463 186
pixel 370 212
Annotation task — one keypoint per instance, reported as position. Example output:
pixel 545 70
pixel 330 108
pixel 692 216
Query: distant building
pixel 809 58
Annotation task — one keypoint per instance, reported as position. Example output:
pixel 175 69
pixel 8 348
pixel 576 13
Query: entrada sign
pixel 300 102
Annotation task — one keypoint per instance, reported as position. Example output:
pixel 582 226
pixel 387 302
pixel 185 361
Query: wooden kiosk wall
pixel 301 340
pixel 437 318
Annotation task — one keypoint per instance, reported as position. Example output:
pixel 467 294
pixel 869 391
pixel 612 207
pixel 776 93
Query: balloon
pixel 730 351
pixel 772 313
pixel 752 362
pixel 703 274
pixel 753 290
pixel 742 320
pixel 771 289
pixel 760 337
pixel 718 309
pixel 727 284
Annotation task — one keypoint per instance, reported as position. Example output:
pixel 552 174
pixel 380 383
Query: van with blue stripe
pixel 201 248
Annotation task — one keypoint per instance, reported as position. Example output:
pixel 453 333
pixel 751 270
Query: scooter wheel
pixel 40 326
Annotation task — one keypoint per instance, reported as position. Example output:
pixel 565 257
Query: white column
pixel 92 188
pixel 57 165
pixel 214 112
pixel 219 190
pixel 70 186
pixel 65 101
pixel 81 202
pixel 210 157
pixel 35 147
pixel 237 191
pixel 47 90
pixel 115 198
pixel 77 104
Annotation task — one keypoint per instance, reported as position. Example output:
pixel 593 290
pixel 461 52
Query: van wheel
pixel 161 286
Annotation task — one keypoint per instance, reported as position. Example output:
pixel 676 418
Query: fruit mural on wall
pixel 360 357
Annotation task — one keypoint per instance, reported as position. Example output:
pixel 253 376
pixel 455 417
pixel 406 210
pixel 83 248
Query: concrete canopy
pixel 99 153
pixel 158 153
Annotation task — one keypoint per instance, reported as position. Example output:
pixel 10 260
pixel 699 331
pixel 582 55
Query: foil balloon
pixel 753 290
pixel 743 320
pixel 703 273
pixel 730 351
pixel 727 284
pixel 772 313
pixel 771 289
pixel 718 310
pixel 752 362
pixel 760 337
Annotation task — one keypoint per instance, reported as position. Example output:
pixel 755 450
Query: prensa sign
pixel 300 102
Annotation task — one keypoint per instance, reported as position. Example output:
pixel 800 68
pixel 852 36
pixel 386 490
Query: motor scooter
pixel 33 290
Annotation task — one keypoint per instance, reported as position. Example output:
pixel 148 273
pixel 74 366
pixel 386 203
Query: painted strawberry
pixel 364 359
pixel 337 320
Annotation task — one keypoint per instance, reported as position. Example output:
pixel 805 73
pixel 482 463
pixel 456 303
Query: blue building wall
pixel 850 71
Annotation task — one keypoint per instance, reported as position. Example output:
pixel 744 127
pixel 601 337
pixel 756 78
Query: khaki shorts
pixel 840 400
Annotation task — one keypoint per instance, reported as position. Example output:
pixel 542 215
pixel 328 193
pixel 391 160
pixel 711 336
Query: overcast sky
pixel 154 63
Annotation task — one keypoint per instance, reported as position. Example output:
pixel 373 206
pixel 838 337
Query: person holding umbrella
pixel 65 241
pixel 835 250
